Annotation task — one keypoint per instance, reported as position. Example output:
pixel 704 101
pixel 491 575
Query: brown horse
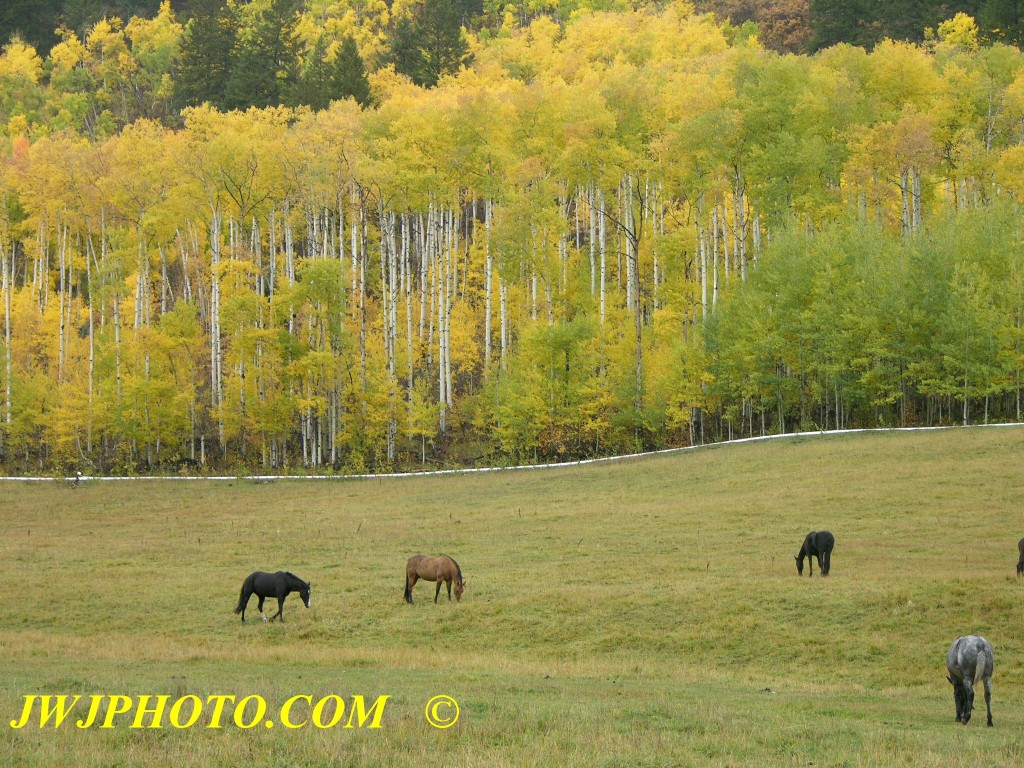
pixel 1020 562
pixel 442 569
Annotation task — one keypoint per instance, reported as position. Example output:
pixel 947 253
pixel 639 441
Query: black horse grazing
pixel 1020 560
pixel 266 585
pixel 817 544
pixel 969 662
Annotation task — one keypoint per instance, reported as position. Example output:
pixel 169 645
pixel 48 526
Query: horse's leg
pixel 449 585
pixel 958 698
pixel 437 592
pixel 827 563
pixel 280 608
pixel 988 699
pixel 262 614
pixel 410 582
pixel 244 603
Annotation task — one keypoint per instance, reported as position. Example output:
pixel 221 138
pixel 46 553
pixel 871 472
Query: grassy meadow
pixel 644 612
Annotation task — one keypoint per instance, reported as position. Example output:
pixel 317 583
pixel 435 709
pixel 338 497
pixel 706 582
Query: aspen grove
pixel 627 231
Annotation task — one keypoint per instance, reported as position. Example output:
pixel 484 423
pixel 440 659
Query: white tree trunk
pixel 702 245
pixel 503 301
pixel 8 277
pixel 216 358
pixel 591 240
pixel 602 244
pixel 714 257
pixel 62 244
pixel 488 286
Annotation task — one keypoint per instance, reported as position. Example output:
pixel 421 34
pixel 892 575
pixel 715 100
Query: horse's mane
pixel 292 575
pixel 458 570
pixel 810 542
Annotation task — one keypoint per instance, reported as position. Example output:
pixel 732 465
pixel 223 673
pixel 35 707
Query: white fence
pixel 518 468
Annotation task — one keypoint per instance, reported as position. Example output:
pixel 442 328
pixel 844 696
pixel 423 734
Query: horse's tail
pixel 981 665
pixel 241 596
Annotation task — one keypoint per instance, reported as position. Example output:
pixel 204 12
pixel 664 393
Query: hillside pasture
pixel 645 612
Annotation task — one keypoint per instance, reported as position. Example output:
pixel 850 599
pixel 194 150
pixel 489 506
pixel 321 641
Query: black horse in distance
pixel 818 544
pixel 265 585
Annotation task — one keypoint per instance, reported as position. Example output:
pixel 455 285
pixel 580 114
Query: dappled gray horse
pixel 969 662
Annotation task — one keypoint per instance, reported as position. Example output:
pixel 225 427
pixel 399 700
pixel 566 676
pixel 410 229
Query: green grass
pixel 638 613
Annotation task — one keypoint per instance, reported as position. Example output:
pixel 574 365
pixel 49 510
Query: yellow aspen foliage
pixel 20 61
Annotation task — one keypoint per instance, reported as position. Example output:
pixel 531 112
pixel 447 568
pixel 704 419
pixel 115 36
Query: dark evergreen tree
pixel 1002 20
pixel 907 19
pixel 848 21
pixel 443 44
pixel 868 22
pixel 403 48
pixel 431 44
pixel 311 88
pixel 347 74
pixel 205 60
pixel 80 15
pixel 265 65
pixel 323 81
pixel 34 21
pixel 471 10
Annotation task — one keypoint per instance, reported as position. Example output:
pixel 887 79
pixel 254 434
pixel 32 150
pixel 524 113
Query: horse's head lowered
pixel 460 585
pixel 304 594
